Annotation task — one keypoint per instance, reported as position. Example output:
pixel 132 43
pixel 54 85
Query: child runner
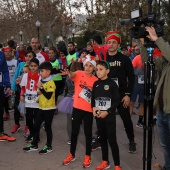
pixel 46 111
pixel 83 82
pixel 105 99
pixel 66 105
pixel 15 90
pixel 29 94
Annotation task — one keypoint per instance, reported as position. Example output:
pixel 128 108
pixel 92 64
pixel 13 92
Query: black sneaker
pixel 28 139
pixel 132 147
pixel 45 150
pixel 95 146
pixel 30 148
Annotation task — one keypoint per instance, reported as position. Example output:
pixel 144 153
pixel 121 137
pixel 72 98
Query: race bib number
pixel 86 94
pixel 31 98
pixel 103 103
pixel 141 79
pixel 0 76
pixel 116 81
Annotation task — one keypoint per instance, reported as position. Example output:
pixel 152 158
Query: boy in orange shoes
pixel 4 82
pixel 105 99
pixel 82 111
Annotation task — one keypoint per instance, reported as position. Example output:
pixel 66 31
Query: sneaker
pixel 5 137
pixel 117 168
pixel 28 139
pixel 132 147
pixel 95 146
pixel 45 150
pixel 103 165
pixel 70 158
pixel 30 148
pixel 6 117
pixel 139 125
pixel 87 162
pixel 15 128
pixel 69 142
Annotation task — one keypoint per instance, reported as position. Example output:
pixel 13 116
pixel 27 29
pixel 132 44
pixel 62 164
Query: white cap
pixel 89 60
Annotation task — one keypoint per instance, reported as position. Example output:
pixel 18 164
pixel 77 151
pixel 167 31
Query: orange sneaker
pixel 117 168
pixel 70 158
pixel 87 161
pixel 103 165
pixel 5 137
pixel 15 129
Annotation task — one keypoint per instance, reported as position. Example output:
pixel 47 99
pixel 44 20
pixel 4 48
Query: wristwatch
pixel 128 94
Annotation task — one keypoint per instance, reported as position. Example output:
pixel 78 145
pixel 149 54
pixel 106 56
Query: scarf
pixel 34 77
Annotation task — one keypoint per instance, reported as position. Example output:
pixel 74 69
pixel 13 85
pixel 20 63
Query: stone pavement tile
pixel 12 156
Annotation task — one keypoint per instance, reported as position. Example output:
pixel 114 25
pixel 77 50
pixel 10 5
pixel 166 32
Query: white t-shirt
pixel 12 66
pixel 31 96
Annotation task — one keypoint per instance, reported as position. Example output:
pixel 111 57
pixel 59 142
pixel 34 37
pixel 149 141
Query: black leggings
pixel 77 117
pixel 1 109
pixel 31 114
pixel 6 105
pixel 16 111
pixel 47 117
pixel 107 131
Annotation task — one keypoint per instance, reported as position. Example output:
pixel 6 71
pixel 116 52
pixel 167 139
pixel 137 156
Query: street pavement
pixel 12 156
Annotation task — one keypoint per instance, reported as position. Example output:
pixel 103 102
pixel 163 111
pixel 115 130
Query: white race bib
pixel 103 103
pixel 86 94
pixel 141 79
pixel 31 98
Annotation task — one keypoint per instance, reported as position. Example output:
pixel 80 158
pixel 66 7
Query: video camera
pixel 138 30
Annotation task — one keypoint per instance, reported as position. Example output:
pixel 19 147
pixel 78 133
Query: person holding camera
pixel 162 97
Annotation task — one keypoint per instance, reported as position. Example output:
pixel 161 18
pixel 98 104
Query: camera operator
pixel 162 95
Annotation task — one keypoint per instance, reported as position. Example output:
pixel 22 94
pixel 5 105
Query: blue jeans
pixel 163 123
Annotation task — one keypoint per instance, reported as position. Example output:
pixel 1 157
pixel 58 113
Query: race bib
pixel 0 76
pixel 31 98
pixel 86 94
pixel 116 81
pixel 103 103
pixel 141 79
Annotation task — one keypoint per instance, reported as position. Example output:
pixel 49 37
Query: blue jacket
pixel 4 71
pixel 18 72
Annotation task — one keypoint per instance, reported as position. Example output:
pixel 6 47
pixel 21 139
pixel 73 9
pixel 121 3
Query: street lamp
pixel 38 28
pixel 73 33
pixel 12 37
pixel 48 37
pixel 20 33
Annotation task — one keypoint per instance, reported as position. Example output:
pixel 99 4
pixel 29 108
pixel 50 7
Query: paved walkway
pixel 12 156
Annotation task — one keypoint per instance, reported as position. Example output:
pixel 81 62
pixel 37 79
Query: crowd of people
pixel 97 81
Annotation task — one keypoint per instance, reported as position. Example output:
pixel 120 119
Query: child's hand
pixel 102 114
pixel 39 84
pixel 22 99
pixel 18 80
pixel 95 109
pixel 38 92
pixel 64 72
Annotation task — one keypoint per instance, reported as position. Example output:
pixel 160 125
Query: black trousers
pixel 6 104
pixel 31 114
pixel 16 111
pixel 126 118
pixel 1 109
pixel 58 85
pixel 77 117
pixel 107 131
pixel 47 117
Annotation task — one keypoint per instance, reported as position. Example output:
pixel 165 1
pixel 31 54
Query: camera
pixel 139 23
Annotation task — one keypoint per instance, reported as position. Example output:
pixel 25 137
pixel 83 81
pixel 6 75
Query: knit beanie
pixel 113 35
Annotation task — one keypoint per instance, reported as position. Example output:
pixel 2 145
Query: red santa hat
pixel 113 35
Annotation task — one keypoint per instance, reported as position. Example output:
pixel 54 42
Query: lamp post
pixel 12 37
pixel 73 34
pixel 20 33
pixel 48 38
pixel 38 28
